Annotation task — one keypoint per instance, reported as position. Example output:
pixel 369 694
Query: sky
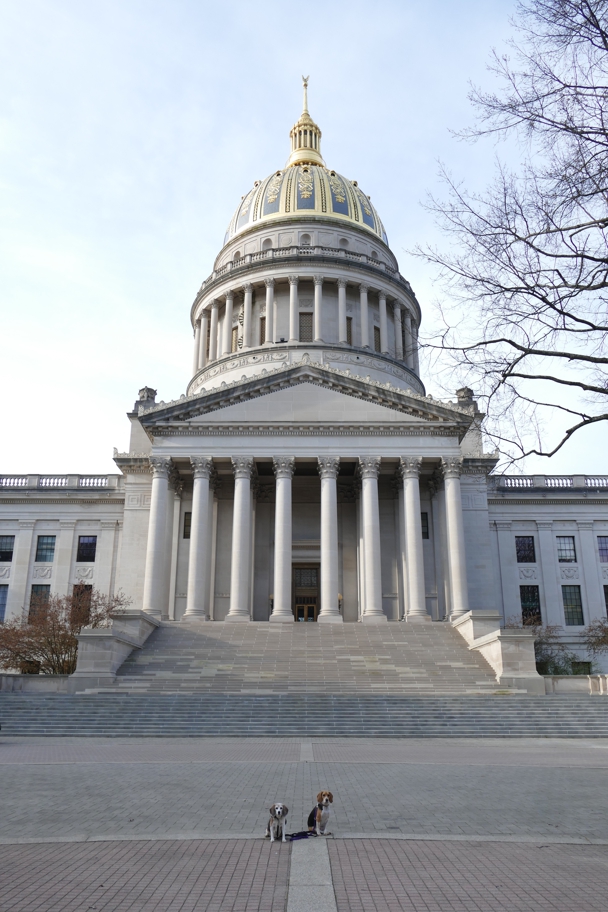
pixel 130 129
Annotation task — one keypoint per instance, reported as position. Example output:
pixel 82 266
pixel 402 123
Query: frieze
pixel 527 573
pixel 569 573
pixel 42 572
pixel 84 573
pixel 5 572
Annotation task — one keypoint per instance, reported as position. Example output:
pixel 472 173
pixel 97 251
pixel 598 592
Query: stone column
pixel 227 341
pixel 364 316
pixel 383 325
pixel 370 468
pixel 409 359
pixel 415 353
pixel 269 311
pixel 18 597
pixel 104 570
pixel 341 310
pixel 240 575
pixel 398 331
pixel 508 571
pixel 328 470
pixel 410 473
pixel 198 582
pixel 294 309
pixel 213 332
pixel 318 332
pixel 202 354
pixel 154 582
pixel 64 554
pixel 247 306
pixel 452 467
pixel 283 469
pixel 554 606
pixel 596 606
pixel 197 345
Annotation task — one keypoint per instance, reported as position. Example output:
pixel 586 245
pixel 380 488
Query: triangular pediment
pixel 305 392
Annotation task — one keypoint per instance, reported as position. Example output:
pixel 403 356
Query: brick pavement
pixel 164 876
pixel 384 876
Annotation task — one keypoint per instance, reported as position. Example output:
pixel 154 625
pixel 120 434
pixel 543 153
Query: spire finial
pixel 305 84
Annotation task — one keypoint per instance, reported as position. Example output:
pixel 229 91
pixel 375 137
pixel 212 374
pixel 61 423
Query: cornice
pixel 296 429
pixel 541 502
pixel 63 502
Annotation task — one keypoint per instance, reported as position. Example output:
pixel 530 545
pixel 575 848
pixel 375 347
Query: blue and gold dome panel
pixel 307 189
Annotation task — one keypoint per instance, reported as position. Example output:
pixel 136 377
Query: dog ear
pixel 331 798
pixel 319 797
pixel 271 809
pixel 285 810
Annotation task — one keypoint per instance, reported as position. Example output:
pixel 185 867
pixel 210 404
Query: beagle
pixel 319 816
pixel 276 824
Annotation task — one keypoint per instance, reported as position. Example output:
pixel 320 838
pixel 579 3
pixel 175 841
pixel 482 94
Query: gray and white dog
pixel 276 824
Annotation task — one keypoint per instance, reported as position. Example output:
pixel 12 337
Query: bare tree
pixel 526 266
pixel 45 641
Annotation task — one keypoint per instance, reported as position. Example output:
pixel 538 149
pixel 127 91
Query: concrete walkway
pixel 171 826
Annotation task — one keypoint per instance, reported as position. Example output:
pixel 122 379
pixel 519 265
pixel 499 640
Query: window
pixel 81 603
pixel 7 545
pixel 262 330
pixel 187 524
pixel 602 544
pixel 305 240
pixel 377 347
pixel 581 668
pixel 39 597
pixel 87 546
pixel 566 552
pixel 530 604
pixel 306 578
pixel 524 548
pixel 425 524
pixel 45 549
pixel 573 606
pixel 305 327
pixel 606 598
pixel 4 597
pixel 234 342
pixel 349 330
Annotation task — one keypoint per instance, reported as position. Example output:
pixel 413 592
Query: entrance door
pixel 306 593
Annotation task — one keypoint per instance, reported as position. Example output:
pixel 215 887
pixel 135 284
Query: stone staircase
pixel 263 658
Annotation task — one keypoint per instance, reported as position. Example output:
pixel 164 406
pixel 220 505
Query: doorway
pixel 305 593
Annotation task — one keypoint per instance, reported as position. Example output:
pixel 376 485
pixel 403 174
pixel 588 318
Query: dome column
pixel 398 331
pixel 240 568
pixel 364 316
pixel 294 308
pixel 318 333
pixel 409 341
pixel 197 344
pixel 342 310
pixel 202 353
pixel 227 342
pixel 213 331
pixel 372 613
pixel 269 311
pixel 283 467
pixel 328 470
pixel 247 305
pixel 383 325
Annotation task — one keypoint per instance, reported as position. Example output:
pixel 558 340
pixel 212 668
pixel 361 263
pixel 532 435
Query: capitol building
pixel 305 475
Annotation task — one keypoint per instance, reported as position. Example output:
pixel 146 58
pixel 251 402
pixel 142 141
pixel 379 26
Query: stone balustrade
pixel 109 482
pixel 559 482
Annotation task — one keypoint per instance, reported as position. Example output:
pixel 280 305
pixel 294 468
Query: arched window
pixel 267 244
pixel 343 243
pixel 237 255
pixel 305 240
pixel 374 255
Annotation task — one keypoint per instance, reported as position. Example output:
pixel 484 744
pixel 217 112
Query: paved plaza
pixel 176 825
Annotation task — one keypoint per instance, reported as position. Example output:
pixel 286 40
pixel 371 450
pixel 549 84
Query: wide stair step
pixel 302 715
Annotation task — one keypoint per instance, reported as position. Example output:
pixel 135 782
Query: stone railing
pixel 46 482
pixel 559 482
pixel 294 252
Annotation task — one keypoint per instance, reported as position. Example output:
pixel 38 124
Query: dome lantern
pixel 305 137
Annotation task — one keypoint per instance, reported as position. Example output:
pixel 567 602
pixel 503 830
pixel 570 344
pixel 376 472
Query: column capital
pixel 544 526
pixel 247 288
pixel 451 466
pixel 160 466
pixel 202 466
pixel 318 279
pixel 283 466
pixel 397 308
pixel 341 283
pixel 369 466
pixel 214 304
pixel 197 322
pixel 243 466
pixel 328 466
pixel 382 296
pixel 230 295
pixel 585 526
pixel 294 279
pixel 409 466
pixel 363 288
pixel 269 283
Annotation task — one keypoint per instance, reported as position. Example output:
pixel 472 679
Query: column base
pixel 330 619
pixel 417 618
pixel 237 618
pixel 281 618
pixel 195 617
pixel 373 618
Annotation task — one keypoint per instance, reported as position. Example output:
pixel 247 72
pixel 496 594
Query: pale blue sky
pixel 129 129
